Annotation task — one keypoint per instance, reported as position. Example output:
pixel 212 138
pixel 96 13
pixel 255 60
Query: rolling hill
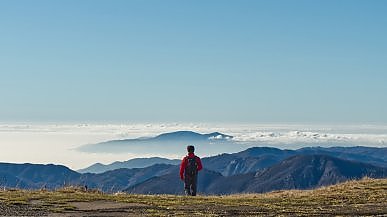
pixel 36 175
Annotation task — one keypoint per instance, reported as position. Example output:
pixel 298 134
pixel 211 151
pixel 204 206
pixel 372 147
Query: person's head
pixel 190 149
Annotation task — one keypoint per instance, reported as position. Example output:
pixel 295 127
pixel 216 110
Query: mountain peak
pixel 178 134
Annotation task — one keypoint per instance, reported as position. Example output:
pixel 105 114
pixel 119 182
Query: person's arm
pixel 182 168
pixel 199 162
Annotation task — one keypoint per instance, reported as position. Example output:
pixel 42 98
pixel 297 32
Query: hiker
pixel 189 168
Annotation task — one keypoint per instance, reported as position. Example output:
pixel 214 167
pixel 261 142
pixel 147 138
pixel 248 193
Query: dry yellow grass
pixel 363 197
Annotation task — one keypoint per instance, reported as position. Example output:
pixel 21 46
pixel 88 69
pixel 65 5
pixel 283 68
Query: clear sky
pixel 193 61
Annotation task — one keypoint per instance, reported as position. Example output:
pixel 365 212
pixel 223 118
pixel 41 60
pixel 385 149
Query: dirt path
pixel 103 208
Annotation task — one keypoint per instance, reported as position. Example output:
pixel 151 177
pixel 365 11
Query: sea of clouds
pixel 58 143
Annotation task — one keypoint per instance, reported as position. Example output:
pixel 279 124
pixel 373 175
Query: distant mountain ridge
pixel 163 143
pixel 129 164
pixel 190 135
pixel 117 180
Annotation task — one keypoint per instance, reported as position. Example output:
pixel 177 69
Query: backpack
pixel 192 167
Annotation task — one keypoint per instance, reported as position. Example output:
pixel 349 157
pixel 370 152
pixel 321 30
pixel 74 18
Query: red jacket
pixel 184 164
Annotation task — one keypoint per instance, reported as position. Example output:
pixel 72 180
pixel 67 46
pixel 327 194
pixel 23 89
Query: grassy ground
pixel 366 197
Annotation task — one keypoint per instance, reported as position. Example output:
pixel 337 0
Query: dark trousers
pixel 190 185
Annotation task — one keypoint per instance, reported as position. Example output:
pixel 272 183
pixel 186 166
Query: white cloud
pixel 312 137
pixel 218 137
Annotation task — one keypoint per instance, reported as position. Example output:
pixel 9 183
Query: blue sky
pixel 193 61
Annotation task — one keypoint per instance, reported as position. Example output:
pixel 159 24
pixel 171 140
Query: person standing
pixel 189 168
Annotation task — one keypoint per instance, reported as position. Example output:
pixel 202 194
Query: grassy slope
pixel 364 197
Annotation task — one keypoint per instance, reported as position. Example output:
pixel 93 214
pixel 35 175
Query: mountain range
pixel 258 169
pixel 257 158
pixel 297 172
pixel 37 176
